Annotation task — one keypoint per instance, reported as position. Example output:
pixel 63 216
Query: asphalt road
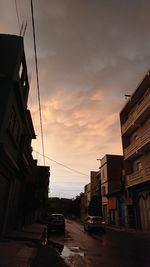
pixel 115 248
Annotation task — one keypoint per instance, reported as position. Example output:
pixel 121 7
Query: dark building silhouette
pixel 60 205
pixel 18 169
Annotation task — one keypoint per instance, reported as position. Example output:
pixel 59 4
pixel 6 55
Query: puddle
pixel 72 255
pixel 59 247
pixel 71 251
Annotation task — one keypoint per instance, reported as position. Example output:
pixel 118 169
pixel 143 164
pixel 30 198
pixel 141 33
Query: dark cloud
pixel 90 53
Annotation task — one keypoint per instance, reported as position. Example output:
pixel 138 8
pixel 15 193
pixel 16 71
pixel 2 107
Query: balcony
pixel 138 177
pixel 139 110
pixel 137 145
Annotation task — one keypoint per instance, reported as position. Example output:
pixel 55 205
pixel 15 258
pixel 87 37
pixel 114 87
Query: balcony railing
pixel 131 149
pixel 138 177
pixel 139 109
pixel 145 138
pixel 147 170
pixel 137 144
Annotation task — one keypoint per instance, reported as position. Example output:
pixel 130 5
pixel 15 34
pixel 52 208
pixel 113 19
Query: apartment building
pixel 95 207
pixel 18 169
pixel 95 182
pixel 135 130
pixel 111 188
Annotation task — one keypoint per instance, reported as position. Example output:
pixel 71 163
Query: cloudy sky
pixel 90 54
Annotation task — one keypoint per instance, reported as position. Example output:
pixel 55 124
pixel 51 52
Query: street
pixel 115 248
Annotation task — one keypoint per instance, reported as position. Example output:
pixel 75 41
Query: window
pixel 139 166
pixel 103 190
pixel 103 173
pixel 136 137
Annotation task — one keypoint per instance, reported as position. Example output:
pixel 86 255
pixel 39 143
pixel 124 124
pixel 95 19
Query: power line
pixel 65 166
pixel 37 77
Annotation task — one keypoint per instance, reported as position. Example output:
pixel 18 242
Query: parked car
pixel 94 223
pixel 56 222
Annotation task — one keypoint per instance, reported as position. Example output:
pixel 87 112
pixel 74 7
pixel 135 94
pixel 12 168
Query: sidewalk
pixel 139 233
pixel 24 248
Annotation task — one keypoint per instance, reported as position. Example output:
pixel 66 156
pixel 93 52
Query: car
pixel 94 223
pixel 56 222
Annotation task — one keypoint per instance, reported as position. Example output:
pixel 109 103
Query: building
pixel 95 182
pixel 83 211
pixel 18 179
pixel 87 196
pixel 135 130
pixel 111 188
pixel 60 205
pixel 41 193
pixel 95 205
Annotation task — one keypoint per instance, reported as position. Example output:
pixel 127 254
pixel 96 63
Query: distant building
pixel 95 205
pixel 82 207
pixel 111 189
pixel 135 129
pixel 87 196
pixel 42 185
pixel 60 205
pixel 95 182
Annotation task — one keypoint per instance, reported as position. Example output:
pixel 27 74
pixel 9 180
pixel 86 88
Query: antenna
pixel 127 97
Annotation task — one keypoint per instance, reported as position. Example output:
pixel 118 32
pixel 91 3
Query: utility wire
pixel 37 77
pixel 65 166
pixel 17 14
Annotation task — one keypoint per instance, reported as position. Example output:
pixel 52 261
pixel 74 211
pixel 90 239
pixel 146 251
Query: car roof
pixel 56 214
pixel 100 217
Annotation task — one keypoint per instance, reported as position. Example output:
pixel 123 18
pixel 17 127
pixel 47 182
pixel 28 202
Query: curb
pixel 137 232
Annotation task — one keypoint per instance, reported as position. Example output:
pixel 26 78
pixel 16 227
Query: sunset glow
pixel 90 54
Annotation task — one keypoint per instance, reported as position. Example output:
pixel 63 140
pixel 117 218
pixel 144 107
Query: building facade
pixel 135 130
pixel 87 196
pixel 111 189
pixel 95 205
pixel 17 166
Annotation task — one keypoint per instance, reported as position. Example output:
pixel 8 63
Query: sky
pixel 90 54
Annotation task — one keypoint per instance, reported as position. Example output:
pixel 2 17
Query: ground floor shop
pixel 138 210
pixel 116 206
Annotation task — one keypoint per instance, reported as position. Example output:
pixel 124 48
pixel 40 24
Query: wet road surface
pixel 114 248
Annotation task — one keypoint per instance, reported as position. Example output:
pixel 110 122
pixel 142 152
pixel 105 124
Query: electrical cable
pixel 65 166
pixel 37 77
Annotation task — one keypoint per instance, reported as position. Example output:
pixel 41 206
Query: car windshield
pixel 57 217
pixel 97 219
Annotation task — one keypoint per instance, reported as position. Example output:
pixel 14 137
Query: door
pixel 4 189
pixel 144 208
